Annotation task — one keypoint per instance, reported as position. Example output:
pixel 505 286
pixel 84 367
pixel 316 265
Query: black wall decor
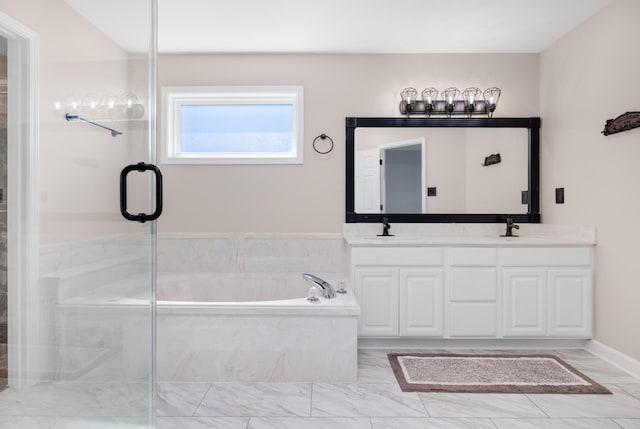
pixel 492 159
pixel 625 122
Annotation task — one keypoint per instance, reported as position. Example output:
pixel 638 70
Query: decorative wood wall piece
pixel 492 159
pixel 625 122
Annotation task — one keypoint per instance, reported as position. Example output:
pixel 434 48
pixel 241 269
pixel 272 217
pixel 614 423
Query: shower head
pixel 71 117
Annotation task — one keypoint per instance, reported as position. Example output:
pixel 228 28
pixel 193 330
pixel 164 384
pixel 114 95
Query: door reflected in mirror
pixel 441 170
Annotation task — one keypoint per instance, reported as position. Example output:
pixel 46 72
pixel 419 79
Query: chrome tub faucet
pixel 327 290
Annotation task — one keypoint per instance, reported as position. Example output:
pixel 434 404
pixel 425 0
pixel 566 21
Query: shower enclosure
pixel 81 298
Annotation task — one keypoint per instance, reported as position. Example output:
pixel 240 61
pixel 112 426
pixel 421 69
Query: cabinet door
pixel 570 303
pixel 421 302
pixel 525 302
pixel 377 293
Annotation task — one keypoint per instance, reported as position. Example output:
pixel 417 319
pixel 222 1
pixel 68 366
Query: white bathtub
pixel 242 327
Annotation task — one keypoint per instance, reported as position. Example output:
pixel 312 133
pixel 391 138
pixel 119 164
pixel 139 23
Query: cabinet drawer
pixel 473 284
pixel 424 256
pixel 473 256
pixel 546 256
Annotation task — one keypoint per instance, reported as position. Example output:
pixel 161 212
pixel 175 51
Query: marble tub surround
pixel 253 253
pixel 236 287
pixel 364 234
pixel 82 331
pixel 290 340
pixel 233 307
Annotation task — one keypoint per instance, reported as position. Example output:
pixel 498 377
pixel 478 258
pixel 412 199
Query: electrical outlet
pixel 524 197
pixel 559 195
pixel 431 192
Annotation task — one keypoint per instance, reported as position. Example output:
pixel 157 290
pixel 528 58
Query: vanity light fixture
pixel 472 101
pixel 450 96
pixel 491 97
pixel 429 97
pixel 470 96
pixel 107 106
pixel 409 97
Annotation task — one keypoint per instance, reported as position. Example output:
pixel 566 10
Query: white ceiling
pixel 343 26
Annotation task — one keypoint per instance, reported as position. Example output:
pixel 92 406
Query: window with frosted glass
pixel 240 125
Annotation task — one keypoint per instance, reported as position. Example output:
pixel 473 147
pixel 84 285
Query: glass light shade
pixel 109 105
pixel 90 102
pixel 430 95
pixel 128 100
pixel 492 95
pixel 73 103
pixel 109 101
pixel 471 95
pixel 450 95
pixel 409 95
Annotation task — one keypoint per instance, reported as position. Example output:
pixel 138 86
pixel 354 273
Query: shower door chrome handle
pixel 140 217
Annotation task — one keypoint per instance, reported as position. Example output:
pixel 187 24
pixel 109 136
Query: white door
pixel 377 293
pixel 525 302
pixel 367 181
pixel 403 176
pixel 421 302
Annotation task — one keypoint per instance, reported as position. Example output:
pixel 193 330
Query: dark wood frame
pixel 533 126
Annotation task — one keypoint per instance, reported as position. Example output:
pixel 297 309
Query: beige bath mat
pixel 489 373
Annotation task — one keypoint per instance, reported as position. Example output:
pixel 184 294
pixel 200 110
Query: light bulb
pixel 72 103
pixel 470 95
pixel 492 96
pixel 409 94
pixel 109 101
pixel 429 95
pixel 128 99
pixel 90 103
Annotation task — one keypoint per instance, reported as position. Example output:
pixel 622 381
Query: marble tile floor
pixel 376 402
pixel 373 402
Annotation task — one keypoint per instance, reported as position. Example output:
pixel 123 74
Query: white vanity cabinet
pixel 399 291
pixel 473 291
pixel 548 292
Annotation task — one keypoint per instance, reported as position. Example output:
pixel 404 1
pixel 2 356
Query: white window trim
pixel 173 97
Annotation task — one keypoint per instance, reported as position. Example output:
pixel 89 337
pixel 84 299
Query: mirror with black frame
pixel 442 169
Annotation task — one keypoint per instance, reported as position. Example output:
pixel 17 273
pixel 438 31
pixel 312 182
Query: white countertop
pixel 407 235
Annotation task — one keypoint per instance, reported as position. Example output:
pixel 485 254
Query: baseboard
pixel 456 343
pixel 615 357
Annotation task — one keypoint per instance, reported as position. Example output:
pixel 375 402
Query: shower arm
pixel 70 117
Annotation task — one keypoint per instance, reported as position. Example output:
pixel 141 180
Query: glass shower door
pixel 81 294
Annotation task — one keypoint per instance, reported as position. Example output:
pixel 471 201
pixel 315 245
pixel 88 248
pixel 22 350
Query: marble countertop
pixel 406 235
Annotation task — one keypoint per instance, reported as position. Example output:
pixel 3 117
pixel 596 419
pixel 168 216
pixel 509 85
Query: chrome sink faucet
pixel 510 226
pixel 327 290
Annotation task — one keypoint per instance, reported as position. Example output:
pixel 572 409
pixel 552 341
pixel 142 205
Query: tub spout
pixel 327 290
